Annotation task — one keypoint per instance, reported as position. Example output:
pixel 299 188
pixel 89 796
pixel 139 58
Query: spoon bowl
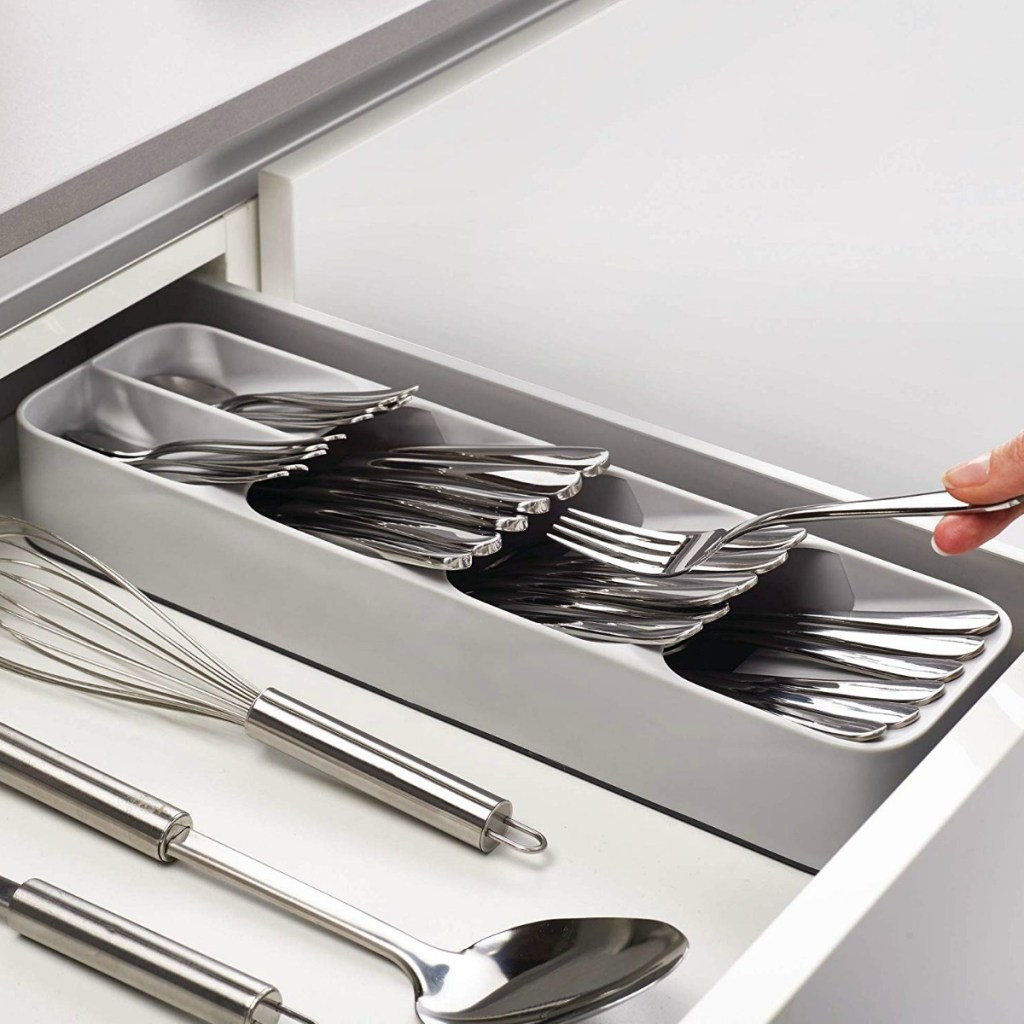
pixel 557 970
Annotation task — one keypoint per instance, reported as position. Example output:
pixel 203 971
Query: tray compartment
pixel 618 714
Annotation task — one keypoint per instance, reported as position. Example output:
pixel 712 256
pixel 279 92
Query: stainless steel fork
pixel 627 547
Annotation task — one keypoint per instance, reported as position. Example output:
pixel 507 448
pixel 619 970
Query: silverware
pixel 904 691
pixel 198 985
pixel 392 550
pixel 958 622
pixel 922 645
pixel 588 461
pixel 207 461
pixel 610 622
pixel 547 481
pixel 873 664
pixel 838 726
pixel 356 521
pixel 711 591
pixel 547 971
pixel 306 411
pixel 467 493
pixel 728 560
pixel 690 550
pixel 413 505
pixel 890 714
pixel 74 634
pixel 436 506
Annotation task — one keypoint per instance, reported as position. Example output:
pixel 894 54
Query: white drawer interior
pixel 609 854
pixel 766 781
pixel 730 893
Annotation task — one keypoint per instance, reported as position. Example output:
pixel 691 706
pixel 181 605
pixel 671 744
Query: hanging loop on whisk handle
pixel 386 773
pixel 136 818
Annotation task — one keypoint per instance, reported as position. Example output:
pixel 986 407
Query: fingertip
pixel 955 535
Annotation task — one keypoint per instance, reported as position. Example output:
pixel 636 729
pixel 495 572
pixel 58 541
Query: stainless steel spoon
pixel 867 663
pixel 902 691
pixel 958 622
pixel 832 725
pixel 922 645
pixel 539 973
pixel 888 714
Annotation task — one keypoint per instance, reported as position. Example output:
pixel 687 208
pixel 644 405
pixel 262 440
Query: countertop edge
pixel 166 150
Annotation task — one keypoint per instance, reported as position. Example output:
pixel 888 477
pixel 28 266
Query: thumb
pixel 995 476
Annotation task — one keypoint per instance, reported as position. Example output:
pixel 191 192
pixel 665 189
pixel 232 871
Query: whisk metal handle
pixel 386 773
pixel 199 985
pixel 132 816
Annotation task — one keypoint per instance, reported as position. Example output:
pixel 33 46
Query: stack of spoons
pixel 433 506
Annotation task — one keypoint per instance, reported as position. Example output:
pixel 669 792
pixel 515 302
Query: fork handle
pixel 935 503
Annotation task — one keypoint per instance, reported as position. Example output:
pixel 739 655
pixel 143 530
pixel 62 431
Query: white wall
pixel 795 229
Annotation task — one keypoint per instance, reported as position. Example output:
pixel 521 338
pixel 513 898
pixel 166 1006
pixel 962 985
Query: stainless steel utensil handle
pixel 174 974
pixel 935 503
pixel 870 663
pixel 137 819
pixel 386 773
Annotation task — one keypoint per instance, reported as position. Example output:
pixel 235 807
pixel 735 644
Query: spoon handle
pixel 162 831
pixel 196 984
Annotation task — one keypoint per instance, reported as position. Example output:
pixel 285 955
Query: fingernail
pixel 969 474
pixel 938 550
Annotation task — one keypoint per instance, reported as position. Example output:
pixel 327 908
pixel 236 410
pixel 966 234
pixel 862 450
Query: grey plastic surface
pixel 618 714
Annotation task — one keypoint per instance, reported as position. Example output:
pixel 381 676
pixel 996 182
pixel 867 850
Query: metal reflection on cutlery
pixel 869 663
pixel 902 691
pixel 588 461
pixel 545 972
pixel 199 986
pixel 694 548
pixel 923 645
pixel 958 622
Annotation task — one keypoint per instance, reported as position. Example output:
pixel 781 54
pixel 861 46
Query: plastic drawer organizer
pixel 617 713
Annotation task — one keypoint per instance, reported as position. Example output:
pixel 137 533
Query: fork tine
pixel 625 528
pixel 630 565
pixel 654 558
pixel 768 537
pixel 593 529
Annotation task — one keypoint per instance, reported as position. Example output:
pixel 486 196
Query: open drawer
pixel 761 779
pixel 817 943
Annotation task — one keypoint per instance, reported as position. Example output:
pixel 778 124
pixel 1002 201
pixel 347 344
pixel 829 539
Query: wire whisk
pixel 105 637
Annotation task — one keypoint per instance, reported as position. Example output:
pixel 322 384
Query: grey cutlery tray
pixel 618 714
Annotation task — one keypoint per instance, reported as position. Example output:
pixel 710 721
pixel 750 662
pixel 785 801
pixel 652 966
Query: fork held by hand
pixel 692 549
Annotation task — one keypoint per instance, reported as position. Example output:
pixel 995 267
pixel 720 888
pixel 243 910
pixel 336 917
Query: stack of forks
pixel 313 415
pixel 885 664
pixel 567 589
pixel 305 412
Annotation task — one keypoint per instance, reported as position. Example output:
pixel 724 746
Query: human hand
pixel 995 476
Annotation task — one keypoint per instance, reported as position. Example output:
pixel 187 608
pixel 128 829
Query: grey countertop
pixel 97 99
